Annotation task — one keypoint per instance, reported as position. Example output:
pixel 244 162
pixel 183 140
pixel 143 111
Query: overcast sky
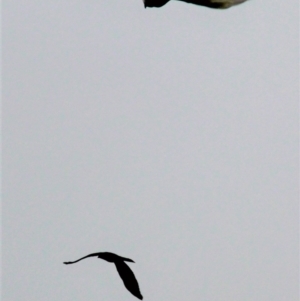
pixel 169 136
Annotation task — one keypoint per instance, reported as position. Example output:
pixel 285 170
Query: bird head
pixel 111 257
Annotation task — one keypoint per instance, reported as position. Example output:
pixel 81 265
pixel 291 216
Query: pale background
pixel 169 136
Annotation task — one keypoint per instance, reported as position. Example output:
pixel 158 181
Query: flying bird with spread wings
pixel 123 269
pixel 208 3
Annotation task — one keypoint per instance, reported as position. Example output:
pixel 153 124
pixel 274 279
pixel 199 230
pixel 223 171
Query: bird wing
pixel 129 279
pixel 155 3
pixel 90 255
pixel 215 3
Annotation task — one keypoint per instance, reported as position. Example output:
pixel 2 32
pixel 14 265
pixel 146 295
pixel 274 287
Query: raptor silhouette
pixel 123 269
pixel 208 3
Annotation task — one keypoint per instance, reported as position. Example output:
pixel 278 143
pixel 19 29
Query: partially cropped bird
pixel 208 3
pixel 123 269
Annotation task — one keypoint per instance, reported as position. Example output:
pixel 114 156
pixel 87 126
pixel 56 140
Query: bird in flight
pixel 123 269
pixel 208 3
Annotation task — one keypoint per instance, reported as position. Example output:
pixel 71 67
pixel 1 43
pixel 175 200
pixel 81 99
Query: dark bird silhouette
pixel 208 3
pixel 123 269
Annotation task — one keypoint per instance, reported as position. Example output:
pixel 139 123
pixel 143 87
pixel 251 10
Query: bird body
pixel 221 4
pixel 123 269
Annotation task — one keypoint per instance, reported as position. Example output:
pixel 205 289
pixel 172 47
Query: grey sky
pixel 169 136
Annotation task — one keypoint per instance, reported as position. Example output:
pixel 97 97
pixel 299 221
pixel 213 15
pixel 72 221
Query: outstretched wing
pixel 155 3
pixel 215 3
pixel 90 255
pixel 129 279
